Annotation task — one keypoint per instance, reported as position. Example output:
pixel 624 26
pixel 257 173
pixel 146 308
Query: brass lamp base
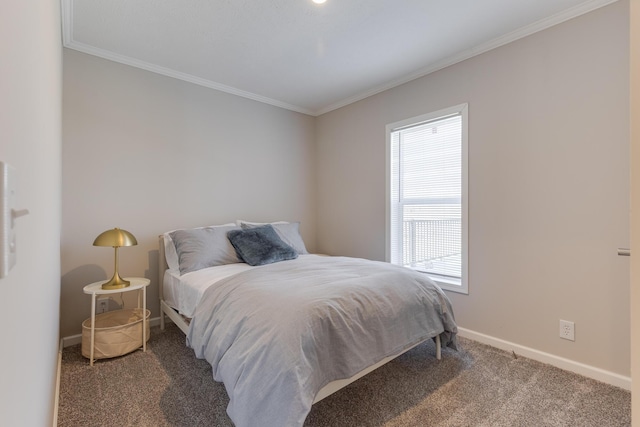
pixel 116 282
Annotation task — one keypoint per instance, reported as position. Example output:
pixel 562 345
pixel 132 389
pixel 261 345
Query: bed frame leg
pixel 161 319
pixel 438 348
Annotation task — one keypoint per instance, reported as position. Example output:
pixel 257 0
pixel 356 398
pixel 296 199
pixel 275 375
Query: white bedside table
pixel 137 284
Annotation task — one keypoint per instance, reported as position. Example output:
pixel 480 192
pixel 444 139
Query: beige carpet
pixel 476 386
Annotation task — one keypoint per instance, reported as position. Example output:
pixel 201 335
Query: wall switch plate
pixel 7 203
pixel 8 214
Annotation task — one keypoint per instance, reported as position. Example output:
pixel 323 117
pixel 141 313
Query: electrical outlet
pixel 102 305
pixel 567 330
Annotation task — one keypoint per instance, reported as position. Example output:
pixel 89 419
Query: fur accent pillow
pixel 260 245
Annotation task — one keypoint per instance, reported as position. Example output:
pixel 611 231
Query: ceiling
pixel 300 55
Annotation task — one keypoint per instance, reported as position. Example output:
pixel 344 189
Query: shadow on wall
pixel 75 305
pixel 72 296
pixel 152 272
pixel 153 292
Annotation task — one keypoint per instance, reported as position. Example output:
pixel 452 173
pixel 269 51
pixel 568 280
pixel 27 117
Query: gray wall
pixel 149 154
pixel 548 190
pixel 30 135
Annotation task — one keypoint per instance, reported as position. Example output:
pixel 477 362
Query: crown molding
pixel 68 42
pixel 105 54
pixel 477 50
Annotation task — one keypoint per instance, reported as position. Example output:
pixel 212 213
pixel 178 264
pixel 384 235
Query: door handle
pixel 624 252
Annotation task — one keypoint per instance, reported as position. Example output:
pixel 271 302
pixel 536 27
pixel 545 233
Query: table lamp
pixel 115 238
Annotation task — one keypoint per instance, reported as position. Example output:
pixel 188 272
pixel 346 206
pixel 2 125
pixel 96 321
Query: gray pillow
pixel 289 232
pixel 260 245
pixel 200 248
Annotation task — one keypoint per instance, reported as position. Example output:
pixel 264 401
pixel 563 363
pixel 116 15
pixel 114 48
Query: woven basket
pixel 117 332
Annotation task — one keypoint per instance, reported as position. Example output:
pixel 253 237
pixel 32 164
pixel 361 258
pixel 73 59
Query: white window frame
pixel 455 285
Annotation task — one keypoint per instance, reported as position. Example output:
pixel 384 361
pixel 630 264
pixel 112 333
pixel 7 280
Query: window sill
pixel 446 283
pixel 450 284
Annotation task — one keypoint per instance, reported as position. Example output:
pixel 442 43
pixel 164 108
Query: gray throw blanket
pixel 276 334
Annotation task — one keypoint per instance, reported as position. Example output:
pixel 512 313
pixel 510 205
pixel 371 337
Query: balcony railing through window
pixel 433 246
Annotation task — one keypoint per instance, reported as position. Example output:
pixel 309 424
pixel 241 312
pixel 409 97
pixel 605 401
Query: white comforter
pixel 276 334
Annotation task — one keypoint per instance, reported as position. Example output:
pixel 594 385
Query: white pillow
pixel 170 253
pixel 239 223
pixel 289 232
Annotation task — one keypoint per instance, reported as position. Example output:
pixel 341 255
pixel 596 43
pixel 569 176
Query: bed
pixel 282 328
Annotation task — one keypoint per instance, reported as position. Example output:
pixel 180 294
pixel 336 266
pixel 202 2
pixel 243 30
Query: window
pixel 427 196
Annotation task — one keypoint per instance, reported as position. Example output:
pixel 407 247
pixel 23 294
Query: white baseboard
pixel 598 374
pixel 56 396
pixel 77 339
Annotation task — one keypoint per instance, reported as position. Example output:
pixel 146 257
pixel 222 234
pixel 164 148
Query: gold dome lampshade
pixel 115 238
